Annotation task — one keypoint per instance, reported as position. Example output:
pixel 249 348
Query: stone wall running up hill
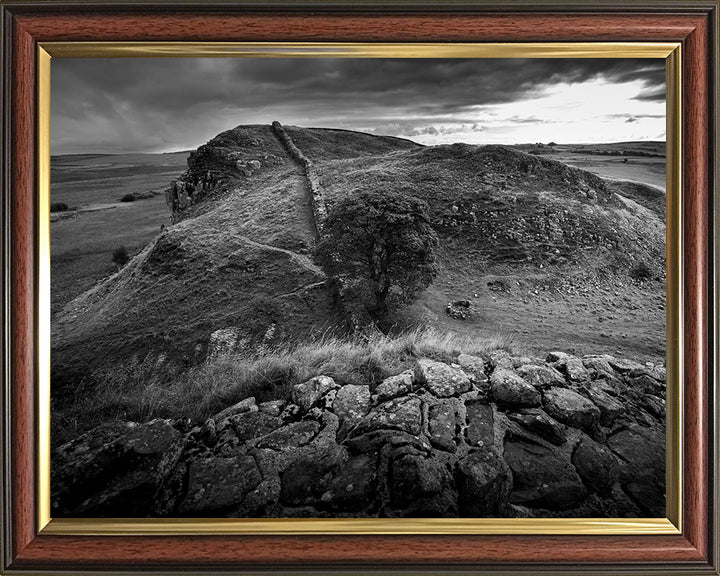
pixel 499 436
pixel 355 314
pixel 317 198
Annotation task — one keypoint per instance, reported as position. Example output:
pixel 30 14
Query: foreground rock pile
pixel 499 436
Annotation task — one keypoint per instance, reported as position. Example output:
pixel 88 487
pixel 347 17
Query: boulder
pixel 246 405
pixel 440 379
pixel 308 477
pixel 208 433
pixel 654 405
pixel 541 478
pixel 510 389
pixel 480 429
pixel 596 465
pixel 642 470
pixel 374 441
pixel 610 408
pixel 394 386
pixel 484 482
pixel 473 365
pixel 658 373
pixel 402 414
pixel 518 361
pixel 625 366
pixel 441 426
pixel 351 403
pixel 541 424
pixel 541 376
pixel 501 359
pixel 647 384
pixel 261 500
pixel 219 484
pixel 290 436
pixel 273 407
pixel 598 366
pixel 308 393
pixel 354 487
pixel 422 486
pixel 569 407
pixel 114 470
pixel 573 368
pixel 556 356
pixel 249 425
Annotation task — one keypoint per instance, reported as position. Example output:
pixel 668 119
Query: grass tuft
pixel 142 390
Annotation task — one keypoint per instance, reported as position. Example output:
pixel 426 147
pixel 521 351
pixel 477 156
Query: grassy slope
pixel 507 208
pixel 326 144
pixel 561 259
pixel 243 256
pixel 82 244
pixel 240 260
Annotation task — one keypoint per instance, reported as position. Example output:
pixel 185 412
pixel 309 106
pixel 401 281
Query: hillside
pixel 522 236
pixel 543 251
pixel 636 161
pixel 84 236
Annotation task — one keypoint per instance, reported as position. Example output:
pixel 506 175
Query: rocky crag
pixel 499 436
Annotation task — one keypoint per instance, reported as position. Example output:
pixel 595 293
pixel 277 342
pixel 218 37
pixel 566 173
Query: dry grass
pixel 141 391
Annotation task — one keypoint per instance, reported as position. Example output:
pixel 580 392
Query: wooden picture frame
pixel 29 547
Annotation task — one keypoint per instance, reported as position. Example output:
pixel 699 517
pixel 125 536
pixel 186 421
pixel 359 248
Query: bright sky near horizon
pixel 161 105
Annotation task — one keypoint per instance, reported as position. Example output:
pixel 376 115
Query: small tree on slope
pixel 383 242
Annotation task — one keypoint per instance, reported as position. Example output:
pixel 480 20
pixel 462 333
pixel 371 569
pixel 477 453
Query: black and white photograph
pixel 358 287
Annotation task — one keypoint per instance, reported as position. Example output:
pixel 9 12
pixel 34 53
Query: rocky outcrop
pixel 231 156
pixel 486 437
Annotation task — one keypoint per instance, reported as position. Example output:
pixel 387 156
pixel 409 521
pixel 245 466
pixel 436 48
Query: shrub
pixel 383 241
pixel 120 256
pixel 59 207
pixel 128 198
pixel 641 272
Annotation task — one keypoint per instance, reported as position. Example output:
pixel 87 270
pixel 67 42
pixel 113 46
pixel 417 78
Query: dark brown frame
pixel 694 23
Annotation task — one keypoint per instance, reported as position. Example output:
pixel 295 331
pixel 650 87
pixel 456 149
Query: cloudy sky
pixel 159 105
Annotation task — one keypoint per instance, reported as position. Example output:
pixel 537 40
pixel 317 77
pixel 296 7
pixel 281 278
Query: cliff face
pixel 226 161
pixel 496 436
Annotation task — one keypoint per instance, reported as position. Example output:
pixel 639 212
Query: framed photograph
pixel 322 287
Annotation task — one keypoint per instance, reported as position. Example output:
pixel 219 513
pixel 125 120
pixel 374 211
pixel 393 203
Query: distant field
pixel 647 170
pixel 82 244
pixel 638 161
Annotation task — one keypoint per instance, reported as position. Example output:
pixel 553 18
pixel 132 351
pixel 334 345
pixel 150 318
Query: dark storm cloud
pixel 160 104
pixel 652 94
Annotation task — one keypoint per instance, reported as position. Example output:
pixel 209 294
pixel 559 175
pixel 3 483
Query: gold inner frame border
pixel 671 52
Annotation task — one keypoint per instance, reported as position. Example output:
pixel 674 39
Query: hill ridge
pixel 499 212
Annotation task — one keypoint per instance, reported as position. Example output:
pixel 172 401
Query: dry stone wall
pixel 313 179
pixel 356 315
pixel 495 436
